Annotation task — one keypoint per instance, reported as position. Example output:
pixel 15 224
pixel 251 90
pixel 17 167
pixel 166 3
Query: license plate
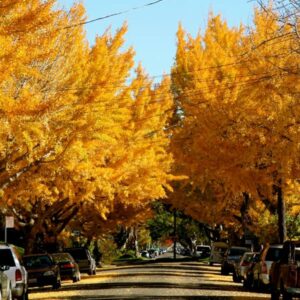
pixel 32 280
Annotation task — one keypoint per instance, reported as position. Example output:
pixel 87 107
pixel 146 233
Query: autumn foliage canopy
pixel 82 140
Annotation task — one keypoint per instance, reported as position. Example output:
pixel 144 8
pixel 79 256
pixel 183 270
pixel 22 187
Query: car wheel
pixel 286 295
pixel 24 296
pixel 257 285
pixel 250 282
pixel 235 278
pixel 274 294
pixel 57 285
pixel 224 271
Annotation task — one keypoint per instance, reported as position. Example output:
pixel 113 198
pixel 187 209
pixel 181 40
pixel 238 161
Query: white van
pixel 218 250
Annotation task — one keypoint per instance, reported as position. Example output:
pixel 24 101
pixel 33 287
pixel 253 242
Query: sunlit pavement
pixel 156 280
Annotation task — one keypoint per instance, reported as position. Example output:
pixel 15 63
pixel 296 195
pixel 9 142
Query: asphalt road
pixel 157 279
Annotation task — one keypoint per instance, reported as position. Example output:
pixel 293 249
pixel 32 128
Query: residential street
pixel 153 280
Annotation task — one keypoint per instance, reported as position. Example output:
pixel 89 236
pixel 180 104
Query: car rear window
pixel 6 258
pixel 78 253
pixel 220 249
pixel 236 252
pixel 273 254
pixel 62 257
pixel 248 258
pixel 202 248
pixel 40 261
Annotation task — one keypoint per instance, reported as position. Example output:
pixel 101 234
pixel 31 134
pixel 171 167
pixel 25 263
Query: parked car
pixel 144 253
pixel 185 252
pixel 248 277
pixel 84 259
pixel 218 250
pixel 68 267
pixel 42 270
pixel 261 269
pixel 285 273
pixel 232 255
pixel 17 274
pixel 202 251
pixel 241 267
pixel 5 284
pixel 152 253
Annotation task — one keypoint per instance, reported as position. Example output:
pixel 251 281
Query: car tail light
pixel 68 266
pixel 264 268
pixel 18 275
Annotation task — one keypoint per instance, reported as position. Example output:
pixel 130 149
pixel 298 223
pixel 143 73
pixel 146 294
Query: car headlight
pixel 49 273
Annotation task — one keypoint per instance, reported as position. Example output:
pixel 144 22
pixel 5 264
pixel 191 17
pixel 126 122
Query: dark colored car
pixel 203 251
pixel 152 253
pixel 69 269
pixel 84 259
pixel 232 256
pixel 42 270
pixel 285 273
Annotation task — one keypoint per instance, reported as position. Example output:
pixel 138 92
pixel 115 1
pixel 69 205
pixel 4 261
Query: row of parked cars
pixel 152 252
pixel 18 273
pixel 276 268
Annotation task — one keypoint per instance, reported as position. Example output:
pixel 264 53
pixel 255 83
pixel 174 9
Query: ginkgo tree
pixel 238 104
pixel 76 136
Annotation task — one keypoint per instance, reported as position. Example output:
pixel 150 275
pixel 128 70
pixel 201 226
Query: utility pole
pixel 175 234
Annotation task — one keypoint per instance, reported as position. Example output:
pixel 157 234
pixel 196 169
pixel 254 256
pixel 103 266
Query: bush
pixel 109 250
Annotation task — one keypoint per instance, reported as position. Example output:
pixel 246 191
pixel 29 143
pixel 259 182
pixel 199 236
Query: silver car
pixel 84 259
pixel 261 269
pixel 17 274
pixel 5 284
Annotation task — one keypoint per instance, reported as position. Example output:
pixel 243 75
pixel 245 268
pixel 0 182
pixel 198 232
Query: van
pixel 84 259
pixel 217 253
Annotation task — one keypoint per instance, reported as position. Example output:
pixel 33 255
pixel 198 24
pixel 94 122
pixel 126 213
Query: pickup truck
pixel 285 273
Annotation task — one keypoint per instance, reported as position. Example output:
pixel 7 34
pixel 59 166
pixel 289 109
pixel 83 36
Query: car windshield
pixel 40 261
pixel 6 258
pixel 273 254
pixel 62 257
pixel 201 248
pixel 220 249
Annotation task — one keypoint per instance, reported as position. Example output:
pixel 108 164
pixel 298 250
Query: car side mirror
pixel 4 268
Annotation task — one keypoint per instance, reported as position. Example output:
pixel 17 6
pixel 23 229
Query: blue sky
pixel 152 29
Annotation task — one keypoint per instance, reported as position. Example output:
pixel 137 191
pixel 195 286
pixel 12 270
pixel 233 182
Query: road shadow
pixel 141 297
pixel 146 284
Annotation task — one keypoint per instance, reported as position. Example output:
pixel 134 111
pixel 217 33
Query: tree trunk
pixel 281 213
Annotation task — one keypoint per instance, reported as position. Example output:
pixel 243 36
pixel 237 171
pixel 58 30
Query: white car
pixel 16 273
pixel 5 285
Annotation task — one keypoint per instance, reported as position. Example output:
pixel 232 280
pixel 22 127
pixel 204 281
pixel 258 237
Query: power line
pixel 113 14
